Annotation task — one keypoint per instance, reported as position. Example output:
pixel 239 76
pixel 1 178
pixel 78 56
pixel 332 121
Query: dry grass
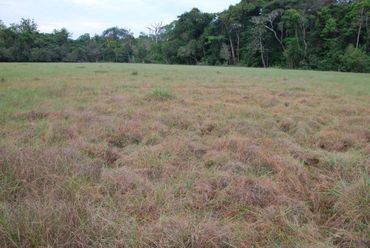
pixel 110 155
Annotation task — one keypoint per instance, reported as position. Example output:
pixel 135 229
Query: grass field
pixel 123 155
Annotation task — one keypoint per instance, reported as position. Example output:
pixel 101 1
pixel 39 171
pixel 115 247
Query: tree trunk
pixel 282 34
pixel 304 40
pixel 262 52
pixel 359 28
pixel 280 40
pixel 232 49
pixel 305 43
pixel 238 47
pixel 195 59
pixel 297 37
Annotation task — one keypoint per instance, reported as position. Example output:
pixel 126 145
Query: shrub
pixel 355 60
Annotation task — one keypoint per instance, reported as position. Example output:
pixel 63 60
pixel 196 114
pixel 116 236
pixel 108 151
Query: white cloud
pixel 82 27
pixel 85 2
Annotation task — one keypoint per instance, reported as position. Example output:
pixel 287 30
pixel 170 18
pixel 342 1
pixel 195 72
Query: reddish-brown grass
pixel 184 157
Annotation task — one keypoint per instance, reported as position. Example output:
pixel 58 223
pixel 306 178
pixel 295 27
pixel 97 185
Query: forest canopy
pixel 313 34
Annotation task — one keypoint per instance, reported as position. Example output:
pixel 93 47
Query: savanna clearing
pixel 128 155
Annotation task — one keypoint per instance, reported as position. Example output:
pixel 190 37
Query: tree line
pixel 310 34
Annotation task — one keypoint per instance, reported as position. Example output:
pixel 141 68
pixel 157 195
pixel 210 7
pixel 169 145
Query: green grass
pixel 161 93
pixel 139 155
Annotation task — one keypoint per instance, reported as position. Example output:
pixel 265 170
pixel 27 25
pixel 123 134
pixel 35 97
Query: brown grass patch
pixel 129 133
pixel 33 116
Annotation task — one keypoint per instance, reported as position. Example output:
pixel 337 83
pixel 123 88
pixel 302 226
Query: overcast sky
pixel 94 16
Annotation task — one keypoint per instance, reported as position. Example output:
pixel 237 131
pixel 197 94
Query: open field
pixel 124 155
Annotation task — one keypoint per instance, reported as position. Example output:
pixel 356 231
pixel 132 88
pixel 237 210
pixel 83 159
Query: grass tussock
pixel 161 94
pixel 244 158
pixel 129 133
pixel 33 116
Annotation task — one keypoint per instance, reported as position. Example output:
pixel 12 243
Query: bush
pixel 43 55
pixel 355 60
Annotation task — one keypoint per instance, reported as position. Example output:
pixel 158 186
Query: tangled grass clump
pixel 160 93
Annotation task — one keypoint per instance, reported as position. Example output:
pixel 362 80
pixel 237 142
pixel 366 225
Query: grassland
pixel 121 155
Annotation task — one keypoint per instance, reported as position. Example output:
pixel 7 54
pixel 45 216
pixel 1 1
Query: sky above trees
pixel 94 16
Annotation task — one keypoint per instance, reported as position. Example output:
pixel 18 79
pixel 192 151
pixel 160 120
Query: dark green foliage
pixel 315 34
pixel 294 54
pixel 355 60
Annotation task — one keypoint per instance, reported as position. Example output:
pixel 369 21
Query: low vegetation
pixel 161 94
pixel 183 156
